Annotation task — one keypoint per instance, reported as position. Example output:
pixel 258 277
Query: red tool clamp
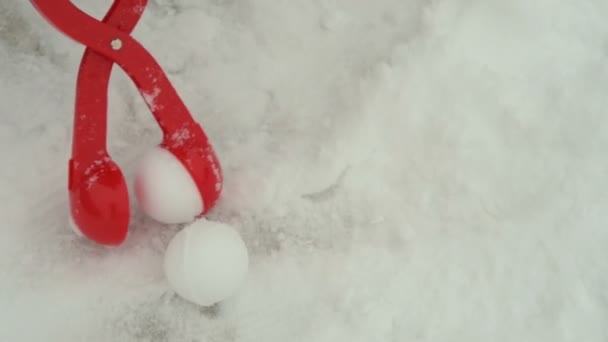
pixel 99 196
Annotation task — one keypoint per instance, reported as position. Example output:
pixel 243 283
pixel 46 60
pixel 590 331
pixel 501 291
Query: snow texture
pixel 401 170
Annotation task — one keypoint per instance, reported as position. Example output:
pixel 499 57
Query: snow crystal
pixel 150 98
pixel 180 136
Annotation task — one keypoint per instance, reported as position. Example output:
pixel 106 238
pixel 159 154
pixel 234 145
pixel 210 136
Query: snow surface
pixel 401 170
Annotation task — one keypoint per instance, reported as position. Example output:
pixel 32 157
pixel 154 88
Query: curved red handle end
pixel 99 201
pixel 191 147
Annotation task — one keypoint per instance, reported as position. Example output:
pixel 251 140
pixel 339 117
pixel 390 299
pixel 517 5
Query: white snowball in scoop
pixel 165 190
pixel 206 262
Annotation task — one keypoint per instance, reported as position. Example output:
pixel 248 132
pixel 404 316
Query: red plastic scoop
pixel 98 192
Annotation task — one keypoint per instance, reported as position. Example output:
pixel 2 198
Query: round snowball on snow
pixel 165 190
pixel 206 262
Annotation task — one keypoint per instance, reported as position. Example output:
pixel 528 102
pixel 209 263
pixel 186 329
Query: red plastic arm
pixel 90 117
pixel 162 99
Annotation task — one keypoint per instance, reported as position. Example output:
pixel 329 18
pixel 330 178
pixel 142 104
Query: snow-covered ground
pixel 401 170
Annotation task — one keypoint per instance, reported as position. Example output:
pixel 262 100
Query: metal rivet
pixel 116 44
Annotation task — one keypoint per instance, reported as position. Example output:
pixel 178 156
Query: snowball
pixel 165 190
pixel 206 262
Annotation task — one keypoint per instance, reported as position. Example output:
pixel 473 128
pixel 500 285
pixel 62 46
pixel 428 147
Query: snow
pixel 206 262
pixel 400 170
pixel 165 190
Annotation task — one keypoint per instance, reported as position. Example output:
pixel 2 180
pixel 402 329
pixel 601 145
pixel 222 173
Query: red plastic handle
pixel 158 92
pixel 98 192
pixel 90 117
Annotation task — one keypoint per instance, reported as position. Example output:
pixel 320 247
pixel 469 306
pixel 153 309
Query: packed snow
pixel 206 262
pixel 165 189
pixel 399 170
